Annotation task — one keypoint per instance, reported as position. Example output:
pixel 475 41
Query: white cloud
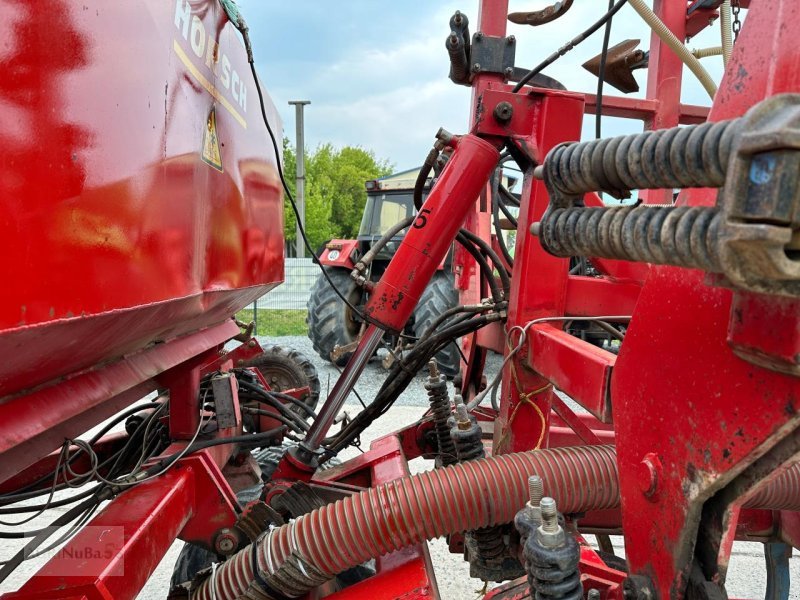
pixel 392 97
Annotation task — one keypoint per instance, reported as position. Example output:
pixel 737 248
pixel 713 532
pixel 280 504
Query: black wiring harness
pixel 136 461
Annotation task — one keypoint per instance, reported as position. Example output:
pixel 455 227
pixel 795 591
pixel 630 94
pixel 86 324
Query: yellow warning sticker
pixel 211 155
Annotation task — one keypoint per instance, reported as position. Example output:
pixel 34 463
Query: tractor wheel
pixel 439 296
pixel 285 369
pixel 330 321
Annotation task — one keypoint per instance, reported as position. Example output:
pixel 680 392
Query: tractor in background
pixel 333 326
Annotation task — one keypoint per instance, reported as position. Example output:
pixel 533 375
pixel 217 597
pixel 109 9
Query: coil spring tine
pixel 649 170
pixel 621 166
pixel 614 179
pixel 662 160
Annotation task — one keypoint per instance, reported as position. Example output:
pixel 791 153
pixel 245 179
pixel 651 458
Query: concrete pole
pixel 300 177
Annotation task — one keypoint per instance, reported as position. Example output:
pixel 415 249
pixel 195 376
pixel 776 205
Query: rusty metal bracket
pixel 535 18
pixel 760 203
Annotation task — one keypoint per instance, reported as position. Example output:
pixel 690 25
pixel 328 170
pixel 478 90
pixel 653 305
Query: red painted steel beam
pixel 596 296
pixel 33 425
pixel 130 536
pixel 644 109
pixel 535 292
pixel 577 368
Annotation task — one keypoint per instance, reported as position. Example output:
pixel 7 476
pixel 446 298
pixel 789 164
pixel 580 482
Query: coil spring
pixel 694 156
pixel 490 542
pixel 436 386
pixel 468 442
pixel 665 235
pixel 557 577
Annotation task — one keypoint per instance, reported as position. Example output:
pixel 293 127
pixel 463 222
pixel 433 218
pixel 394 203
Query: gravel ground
pixel 746 577
pixel 372 378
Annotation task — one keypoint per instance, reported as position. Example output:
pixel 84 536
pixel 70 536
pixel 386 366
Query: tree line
pixel 334 190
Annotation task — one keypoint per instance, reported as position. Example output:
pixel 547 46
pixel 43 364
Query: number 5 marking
pixel 421 219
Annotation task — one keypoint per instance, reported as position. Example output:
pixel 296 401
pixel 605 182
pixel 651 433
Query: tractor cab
pixel 389 201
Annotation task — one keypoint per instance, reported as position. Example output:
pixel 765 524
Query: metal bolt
pixel 433 369
pixel 509 72
pixel 503 112
pixel 593 594
pixel 648 474
pixel 538 172
pixel 478 36
pixel 252 343
pixel 535 229
pixel 511 40
pixel 476 68
pixel 637 587
pixel 535 490
pixel 549 515
pixel 458 18
pixel 225 542
pixel 453 39
pixel 462 416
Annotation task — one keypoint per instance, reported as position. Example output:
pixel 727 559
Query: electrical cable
pixel 568 46
pixel 69 516
pixel 94 439
pixel 300 226
pixel 523 331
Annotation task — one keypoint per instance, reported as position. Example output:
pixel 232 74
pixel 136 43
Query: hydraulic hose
pixel 726 34
pixel 302 555
pixel 669 38
pixel 295 558
pixel 394 230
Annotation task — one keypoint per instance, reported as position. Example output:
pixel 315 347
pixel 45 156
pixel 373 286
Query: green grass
pixel 276 323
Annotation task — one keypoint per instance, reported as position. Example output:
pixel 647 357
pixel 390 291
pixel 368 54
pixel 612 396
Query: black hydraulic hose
pixel 394 230
pixel 422 176
pixel 402 373
pixel 299 423
pixel 508 195
pixel 488 250
pixel 298 403
pixel 512 219
pixel 486 269
pixel 601 75
pixel 272 415
pixel 478 308
pixel 568 46
pixel 69 516
pixel 251 438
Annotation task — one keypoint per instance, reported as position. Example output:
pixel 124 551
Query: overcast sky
pixel 376 71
